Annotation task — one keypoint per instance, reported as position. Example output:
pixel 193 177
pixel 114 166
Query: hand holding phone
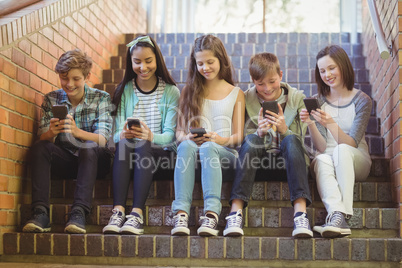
pixel 270 106
pixel 60 111
pixel 311 104
pixel 133 122
pixel 199 131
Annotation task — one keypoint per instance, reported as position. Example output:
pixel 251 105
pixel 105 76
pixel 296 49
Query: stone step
pixel 151 250
pixel 376 191
pixel 261 220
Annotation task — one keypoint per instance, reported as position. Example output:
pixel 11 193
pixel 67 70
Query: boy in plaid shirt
pixel 70 147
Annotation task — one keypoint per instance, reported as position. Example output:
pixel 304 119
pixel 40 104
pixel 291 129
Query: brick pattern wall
pixel 386 82
pixel 31 41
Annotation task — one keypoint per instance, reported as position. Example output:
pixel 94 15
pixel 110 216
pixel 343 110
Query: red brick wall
pixel 31 41
pixel 386 81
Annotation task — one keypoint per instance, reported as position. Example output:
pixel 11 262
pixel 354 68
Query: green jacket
pixel 294 105
pixel 168 107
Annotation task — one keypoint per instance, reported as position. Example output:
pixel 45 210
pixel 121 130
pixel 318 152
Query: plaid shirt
pixel 91 115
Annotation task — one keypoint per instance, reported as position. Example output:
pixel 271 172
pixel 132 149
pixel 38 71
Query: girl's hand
pixel 277 120
pixel 214 137
pixel 143 132
pixel 263 124
pixel 322 117
pixel 305 117
pixel 126 133
pixel 197 140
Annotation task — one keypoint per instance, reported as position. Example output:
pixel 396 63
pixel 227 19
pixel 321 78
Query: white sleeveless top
pixel 216 115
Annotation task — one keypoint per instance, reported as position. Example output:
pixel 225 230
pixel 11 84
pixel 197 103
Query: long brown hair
pixel 339 55
pixel 192 95
pixel 161 71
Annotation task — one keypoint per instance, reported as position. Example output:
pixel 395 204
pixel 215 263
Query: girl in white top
pixel 209 100
pixel 338 135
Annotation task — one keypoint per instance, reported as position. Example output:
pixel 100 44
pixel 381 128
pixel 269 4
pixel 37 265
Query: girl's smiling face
pixel 330 72
pixel 207 64
pixel 144 64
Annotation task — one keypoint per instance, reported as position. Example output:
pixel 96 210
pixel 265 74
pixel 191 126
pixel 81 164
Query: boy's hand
pixel 55 127
pixel 277 120
pixel 263 124
pixel 69 126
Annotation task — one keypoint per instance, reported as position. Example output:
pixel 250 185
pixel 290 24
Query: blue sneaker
pixel 115 222
pixel 234 224
pixel 301 227
pixel 133 225
pixel 39 222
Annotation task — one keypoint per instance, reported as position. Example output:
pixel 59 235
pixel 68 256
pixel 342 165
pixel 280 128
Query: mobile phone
pixel 199 131
pixel 270 106
pixel 59 111
pixel 311 104
pixel 133 122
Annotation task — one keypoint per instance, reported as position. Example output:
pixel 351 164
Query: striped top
pixel 147 107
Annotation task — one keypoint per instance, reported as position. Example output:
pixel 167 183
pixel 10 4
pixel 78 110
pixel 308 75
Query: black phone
pixel 59 111
pixel 133 122
pixel 199 131
pixel 311 104
pixel 270 106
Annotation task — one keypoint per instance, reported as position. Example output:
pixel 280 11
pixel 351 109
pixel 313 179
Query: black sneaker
pixel 76 221
pixel 39 222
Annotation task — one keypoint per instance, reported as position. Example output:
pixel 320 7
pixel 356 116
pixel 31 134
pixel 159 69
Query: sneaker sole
pixel 74 229
pixel 205 231
pixel 131 231
pixel 111 230
pixel 180 231
pixel 233 231
pixel 331 232
pixel 33 228
pixel 304 233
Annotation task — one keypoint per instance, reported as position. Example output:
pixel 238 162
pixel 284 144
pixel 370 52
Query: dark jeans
pixel 252 151
pixel 138 161
pixel 48 159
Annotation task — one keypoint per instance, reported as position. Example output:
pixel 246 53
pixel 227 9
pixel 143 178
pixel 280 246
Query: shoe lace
pixel 180 220
pixel 116 219
pixel 134 220
pixel 334 218
pixel 38 213
pixel 235 219
pixel 208 222
pixel 76 215
pixel 301 221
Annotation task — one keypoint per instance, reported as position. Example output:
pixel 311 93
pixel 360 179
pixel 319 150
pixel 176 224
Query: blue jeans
pixel 252 151
pixel 212 156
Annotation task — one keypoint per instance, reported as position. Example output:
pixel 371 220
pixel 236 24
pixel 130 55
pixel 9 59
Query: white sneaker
pixel 302 227
pixel 209 226
pixel 115 222
pixel 180 226
pixel 133 225
pixel 234 224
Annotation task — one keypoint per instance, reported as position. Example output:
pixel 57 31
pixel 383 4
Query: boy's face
pixel 73 83
pixel 269 88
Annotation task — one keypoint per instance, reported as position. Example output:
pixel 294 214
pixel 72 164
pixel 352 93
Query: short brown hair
pixel 262 64
pixel 340 57
pixel 74 59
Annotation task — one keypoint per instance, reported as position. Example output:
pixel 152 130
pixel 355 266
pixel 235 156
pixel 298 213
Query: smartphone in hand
pixel 60 111
pixel 311 104
pixel 270 106
pixel 133 122
pixel 199 131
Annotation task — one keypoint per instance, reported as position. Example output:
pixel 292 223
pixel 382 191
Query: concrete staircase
pixel 268 219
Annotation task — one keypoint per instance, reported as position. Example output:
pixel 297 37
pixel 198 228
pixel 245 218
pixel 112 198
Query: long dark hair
pixel 339 55
pixel 192 95
pixel 161 71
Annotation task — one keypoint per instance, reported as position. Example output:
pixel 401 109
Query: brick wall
pixel 386 82
pixel 31 41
